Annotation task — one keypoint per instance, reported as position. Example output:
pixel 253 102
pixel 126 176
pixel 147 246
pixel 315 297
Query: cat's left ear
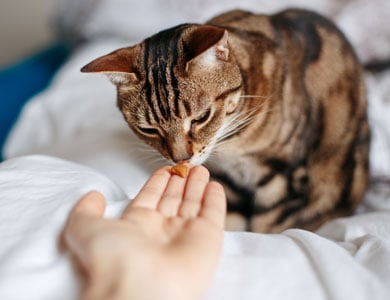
pixel 117 65
pixel 208 46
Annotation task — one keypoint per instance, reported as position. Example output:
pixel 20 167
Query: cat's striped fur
pixel 275 104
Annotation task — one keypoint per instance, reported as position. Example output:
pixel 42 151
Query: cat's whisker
pixel 146 157
pixel 153 159
pixel 144 152
pixel 243 116
pixel 158 161
pixel 257 96
pixel 236 123
pixel 211 156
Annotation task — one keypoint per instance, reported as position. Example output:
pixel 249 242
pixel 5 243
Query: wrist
pixel 123 282
pixel 106 281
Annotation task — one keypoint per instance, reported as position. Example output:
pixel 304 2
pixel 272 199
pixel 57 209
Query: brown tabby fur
pixel 276 104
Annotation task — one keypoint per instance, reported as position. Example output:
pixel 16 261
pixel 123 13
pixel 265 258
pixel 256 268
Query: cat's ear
pixel 117 65
pixel 208 45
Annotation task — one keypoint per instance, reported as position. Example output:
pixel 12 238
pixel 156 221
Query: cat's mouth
pixel 202 156
pixel 195 160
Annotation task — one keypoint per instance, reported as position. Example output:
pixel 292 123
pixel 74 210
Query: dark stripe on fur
pixel 173 45
pixel 173 48
pixel 159 65
pixel 166 56
pixel 377 66
pixel 320 128
pixel 266 179
pixel 256 37
pixel 349 166
pixel 245 206
pixel 303 25
pixel 296 198
pixel 148 86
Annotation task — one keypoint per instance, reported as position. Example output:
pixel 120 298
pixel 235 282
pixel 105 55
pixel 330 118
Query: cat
pixel 273 105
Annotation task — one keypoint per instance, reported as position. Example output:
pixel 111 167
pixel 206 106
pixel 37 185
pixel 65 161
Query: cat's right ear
pixel 117 65
pixel 208 46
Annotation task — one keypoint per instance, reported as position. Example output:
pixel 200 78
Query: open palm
pixel 172 230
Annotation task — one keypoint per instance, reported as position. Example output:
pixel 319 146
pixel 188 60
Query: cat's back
pixel 298 20
pixel 244 24
pixel 300 24
pixel 301 41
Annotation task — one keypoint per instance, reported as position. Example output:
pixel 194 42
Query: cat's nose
pixel 182 162
pixel 181 159
pixel 178 149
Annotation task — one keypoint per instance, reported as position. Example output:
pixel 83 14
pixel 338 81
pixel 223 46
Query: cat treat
pixel 180 170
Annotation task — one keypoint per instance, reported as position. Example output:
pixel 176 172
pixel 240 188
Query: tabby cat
pixel 274 105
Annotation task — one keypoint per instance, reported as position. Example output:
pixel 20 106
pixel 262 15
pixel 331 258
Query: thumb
pixel 92 204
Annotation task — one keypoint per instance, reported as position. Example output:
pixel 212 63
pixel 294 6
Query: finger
pixel 214 204
pixel 194 190
pixel 151 193
pixel 89 207
pixel 91 204
pixel 173 195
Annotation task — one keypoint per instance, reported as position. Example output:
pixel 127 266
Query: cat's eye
pixel 149 131
pixel 203 117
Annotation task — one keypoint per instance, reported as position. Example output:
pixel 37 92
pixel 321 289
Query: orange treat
pixel 181 170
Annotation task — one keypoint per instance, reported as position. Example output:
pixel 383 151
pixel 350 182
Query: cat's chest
pixel 245 170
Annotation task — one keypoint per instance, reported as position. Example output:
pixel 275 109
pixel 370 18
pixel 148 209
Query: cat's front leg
pixel 239 205
pixel 279 198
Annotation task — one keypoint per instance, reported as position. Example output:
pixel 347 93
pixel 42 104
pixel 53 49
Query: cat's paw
pixel 235 222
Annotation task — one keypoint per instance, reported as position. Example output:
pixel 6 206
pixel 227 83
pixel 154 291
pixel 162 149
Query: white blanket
pixel 76 120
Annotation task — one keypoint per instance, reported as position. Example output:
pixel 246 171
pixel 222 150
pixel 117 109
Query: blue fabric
pixel 22 81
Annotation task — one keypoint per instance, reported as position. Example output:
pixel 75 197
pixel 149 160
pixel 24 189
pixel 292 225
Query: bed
pixel 71 138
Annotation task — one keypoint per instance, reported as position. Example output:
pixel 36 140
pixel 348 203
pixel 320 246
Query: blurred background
pixel 29 55
pixel 24 28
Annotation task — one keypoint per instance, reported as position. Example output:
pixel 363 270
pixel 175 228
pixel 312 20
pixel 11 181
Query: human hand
pixel 165 245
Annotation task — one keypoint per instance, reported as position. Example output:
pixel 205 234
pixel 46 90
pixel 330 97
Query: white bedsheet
pixel 346 259
pixel 76 120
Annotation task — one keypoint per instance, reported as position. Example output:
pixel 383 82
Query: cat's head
pixel 176 88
